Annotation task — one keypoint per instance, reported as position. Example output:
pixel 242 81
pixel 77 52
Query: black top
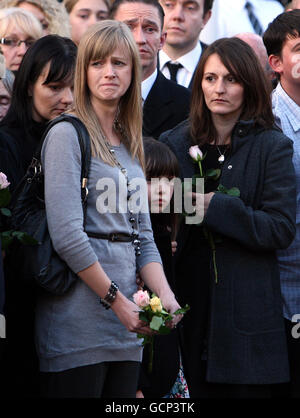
pixel 166 353
pixel 211 161
pixel 19 369
pixel 17 148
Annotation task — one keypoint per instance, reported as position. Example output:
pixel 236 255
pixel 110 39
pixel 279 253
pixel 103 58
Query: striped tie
pixel 253 19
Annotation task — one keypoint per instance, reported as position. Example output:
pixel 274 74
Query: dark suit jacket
pixel 246 343
pixel 167 104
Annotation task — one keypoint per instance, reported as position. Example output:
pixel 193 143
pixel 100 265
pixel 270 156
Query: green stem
pixel 151 349
pixel 215 265
pixel 213 247
pixel 200 168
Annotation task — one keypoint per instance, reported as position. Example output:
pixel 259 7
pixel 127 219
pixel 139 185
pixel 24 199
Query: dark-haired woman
pixel 234 335
pixel 42 91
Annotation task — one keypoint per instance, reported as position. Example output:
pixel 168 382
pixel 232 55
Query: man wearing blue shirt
pixel 282 40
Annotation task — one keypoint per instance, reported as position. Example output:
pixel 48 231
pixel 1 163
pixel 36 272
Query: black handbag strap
pixel 85 147
pixel 83 139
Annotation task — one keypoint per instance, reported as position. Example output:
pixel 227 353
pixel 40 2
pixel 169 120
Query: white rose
pixel 3 181
pixel 194 152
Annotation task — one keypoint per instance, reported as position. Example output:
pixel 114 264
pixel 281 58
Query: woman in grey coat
pixel 226 269
pixel 86 349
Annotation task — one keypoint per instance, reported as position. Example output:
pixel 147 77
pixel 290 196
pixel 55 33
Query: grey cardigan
pixel 75 330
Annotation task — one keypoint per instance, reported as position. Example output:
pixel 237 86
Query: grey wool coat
pixel 246 338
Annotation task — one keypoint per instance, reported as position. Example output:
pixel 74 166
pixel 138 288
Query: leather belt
pixel 114 236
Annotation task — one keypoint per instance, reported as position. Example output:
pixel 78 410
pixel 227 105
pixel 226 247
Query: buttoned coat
pixel 246 338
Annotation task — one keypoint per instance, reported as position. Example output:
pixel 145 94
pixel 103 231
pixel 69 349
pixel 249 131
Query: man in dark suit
pixel 184 20
pixel 165 104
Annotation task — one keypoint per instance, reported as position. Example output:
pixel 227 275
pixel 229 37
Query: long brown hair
pixel 242 62
pixel 98 42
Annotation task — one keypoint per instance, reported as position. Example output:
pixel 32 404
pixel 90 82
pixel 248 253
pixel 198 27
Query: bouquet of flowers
pixel 8 236
pixel 153 313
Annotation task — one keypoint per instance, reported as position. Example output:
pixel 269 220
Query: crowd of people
pixel 168 91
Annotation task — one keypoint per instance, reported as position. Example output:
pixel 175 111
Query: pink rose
pixel 195 152
pixel 141 298
pixel 3 181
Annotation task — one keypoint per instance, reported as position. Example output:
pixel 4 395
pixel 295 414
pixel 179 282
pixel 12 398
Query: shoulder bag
pixel 39 264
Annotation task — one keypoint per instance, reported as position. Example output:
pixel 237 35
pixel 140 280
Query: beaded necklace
pixel 133 221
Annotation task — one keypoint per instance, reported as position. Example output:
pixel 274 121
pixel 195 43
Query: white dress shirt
pixel 230 17
pixel 188 61
pixel 147 85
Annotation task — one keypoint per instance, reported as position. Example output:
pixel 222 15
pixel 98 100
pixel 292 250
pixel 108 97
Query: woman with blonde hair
pixel 51 14
pixel 86 349
pixel 19 30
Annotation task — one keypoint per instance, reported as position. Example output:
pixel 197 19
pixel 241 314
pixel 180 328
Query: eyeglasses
pixel 16 42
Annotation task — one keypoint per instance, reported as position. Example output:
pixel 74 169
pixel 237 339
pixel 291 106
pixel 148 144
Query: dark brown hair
pixel 117 3
pixel 242 62
pixel 160 161
pixel 285 26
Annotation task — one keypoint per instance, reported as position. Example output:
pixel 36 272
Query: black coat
pixel 20 367
pixel 2 296
pixel 17 147
pixel 246 337
pixel 167 104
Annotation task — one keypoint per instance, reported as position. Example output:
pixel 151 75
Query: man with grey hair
pixel 258 46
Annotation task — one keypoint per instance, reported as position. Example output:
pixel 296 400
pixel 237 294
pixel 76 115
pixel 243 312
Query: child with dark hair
pixel 166 378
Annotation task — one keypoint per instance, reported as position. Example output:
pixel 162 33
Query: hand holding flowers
pixel 153 313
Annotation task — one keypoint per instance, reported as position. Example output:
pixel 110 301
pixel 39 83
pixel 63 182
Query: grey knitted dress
pixel 75 330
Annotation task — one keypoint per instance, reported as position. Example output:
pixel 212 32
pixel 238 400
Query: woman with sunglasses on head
pixel 43 89
pixel 19 29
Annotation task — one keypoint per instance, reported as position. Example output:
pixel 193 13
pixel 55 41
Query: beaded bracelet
pixel 110 296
